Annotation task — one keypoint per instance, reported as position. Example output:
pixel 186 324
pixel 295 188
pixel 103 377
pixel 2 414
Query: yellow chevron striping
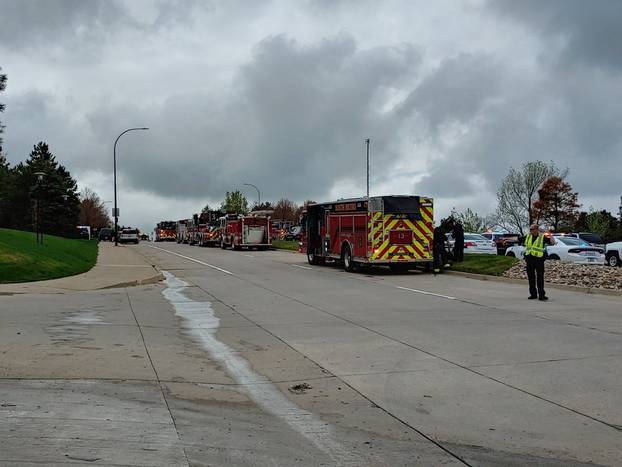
pixel 379 249
pixel 426 217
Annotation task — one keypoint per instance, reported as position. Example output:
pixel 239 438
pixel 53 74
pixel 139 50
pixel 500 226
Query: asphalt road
pixel 257 358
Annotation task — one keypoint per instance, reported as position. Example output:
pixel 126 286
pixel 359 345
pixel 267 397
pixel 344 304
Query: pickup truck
pixel 613 254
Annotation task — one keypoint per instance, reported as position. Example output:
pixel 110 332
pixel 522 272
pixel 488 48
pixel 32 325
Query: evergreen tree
pixel 56 194
pixel 6 188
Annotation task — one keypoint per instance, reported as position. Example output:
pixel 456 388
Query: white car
pixel 613 254
pixel 129 236
pixel 591 238
pixel 566 249
pixel 476 243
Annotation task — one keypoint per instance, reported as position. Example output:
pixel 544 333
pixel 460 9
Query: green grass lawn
pixel 23 260
pixel 492 265
pixel 285 245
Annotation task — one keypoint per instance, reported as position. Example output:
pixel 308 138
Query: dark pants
pixel 535 273
pixel 439 257
pixel 459 251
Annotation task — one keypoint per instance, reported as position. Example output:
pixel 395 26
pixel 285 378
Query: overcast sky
pixel 282 94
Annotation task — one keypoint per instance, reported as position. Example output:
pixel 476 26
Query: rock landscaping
pixel 579 275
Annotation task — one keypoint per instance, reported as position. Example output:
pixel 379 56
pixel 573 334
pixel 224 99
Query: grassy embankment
pixel 285 245
pixel 23 260
pixel 491 265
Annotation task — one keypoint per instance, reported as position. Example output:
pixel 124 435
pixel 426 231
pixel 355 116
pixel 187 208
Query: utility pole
pixel 367 144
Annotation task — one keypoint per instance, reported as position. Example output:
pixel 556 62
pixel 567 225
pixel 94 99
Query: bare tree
pixel 471 221
pixel 285 209
pixel 518 191
pixel 93 210
pixel 302 208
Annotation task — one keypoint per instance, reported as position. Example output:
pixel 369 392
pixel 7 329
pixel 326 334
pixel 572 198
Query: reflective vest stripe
pixel 534 248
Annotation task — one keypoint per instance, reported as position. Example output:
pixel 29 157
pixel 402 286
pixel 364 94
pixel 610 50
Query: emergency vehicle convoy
pixel 166 231
pixel 396 231
pixel 238 231
pixel 212 228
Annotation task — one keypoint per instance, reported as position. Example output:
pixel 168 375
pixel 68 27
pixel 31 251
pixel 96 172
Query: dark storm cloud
pixel 293 122
pixel 275 95
pixel 456 91
pixel 589 30
pixel 30 23
pixel 508 114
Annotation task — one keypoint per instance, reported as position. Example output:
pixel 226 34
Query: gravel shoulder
pixel 578 275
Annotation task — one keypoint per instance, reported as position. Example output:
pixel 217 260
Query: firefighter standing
pixel 438 249
pixel 458 234
pixel 534 258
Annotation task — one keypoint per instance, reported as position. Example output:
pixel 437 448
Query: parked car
pixel 591 238
pixel 106 235
pixel 502 240
pixel 84 232
pixel 566 248
pixel 613 254
pixel 476 243
pixel 294 233
pixel 129 236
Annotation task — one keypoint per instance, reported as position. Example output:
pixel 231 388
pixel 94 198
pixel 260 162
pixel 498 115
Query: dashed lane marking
pixel 426 293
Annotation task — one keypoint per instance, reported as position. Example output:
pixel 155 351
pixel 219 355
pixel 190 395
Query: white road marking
pixel 426 293
pixel 199 319
pixel 301 267
pixel 192 259
pixel 248 256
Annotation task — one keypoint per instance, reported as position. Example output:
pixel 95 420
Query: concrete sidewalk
pixel 119 266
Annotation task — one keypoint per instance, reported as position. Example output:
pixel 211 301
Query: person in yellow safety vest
pixel 535 253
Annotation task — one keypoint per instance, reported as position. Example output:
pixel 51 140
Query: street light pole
pixel 40 176
pixel 116 209
pixel 258 194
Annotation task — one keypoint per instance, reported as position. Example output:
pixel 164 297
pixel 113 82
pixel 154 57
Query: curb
pixel 551 285
pixel 150 280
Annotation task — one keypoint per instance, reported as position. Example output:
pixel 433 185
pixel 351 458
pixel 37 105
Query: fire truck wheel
pixel 223 245
pixel 348 263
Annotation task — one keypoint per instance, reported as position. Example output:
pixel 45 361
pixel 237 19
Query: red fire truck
pixel 238 231
pixel 383 230
pixel 166 231
pixel 205 230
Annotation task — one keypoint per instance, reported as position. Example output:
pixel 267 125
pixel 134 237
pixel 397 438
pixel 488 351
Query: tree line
pixel 538 193
pixel 42 192
pixel 284 209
